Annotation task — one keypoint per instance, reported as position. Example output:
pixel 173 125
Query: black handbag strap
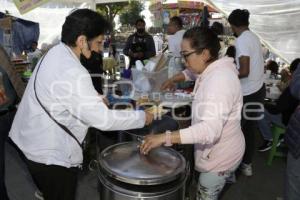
pixel 59 124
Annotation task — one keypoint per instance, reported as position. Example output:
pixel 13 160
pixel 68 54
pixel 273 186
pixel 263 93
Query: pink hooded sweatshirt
pixel 216 113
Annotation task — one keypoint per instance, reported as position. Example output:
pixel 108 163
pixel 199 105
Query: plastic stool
pixel 277 131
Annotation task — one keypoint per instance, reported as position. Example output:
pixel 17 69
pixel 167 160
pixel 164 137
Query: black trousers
pixel 5 125
pixel 55 182
pixel 250 116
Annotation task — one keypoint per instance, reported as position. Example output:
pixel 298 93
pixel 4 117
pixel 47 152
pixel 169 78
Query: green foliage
pixel 131 13
pixel 110 10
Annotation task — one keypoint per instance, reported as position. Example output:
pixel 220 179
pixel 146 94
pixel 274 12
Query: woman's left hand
pixel 152 141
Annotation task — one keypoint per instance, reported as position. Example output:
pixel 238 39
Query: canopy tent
pixel 184 4
pixel 276 22
pixel 109 1
pixel 21 33
pixel 50 16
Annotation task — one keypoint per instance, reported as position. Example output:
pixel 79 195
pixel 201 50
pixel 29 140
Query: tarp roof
pixel 50 16
pixel 276 22
pixel 109 1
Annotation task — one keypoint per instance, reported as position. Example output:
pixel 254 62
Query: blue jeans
pixel 264 124
pixel 292 180
pixel 210 184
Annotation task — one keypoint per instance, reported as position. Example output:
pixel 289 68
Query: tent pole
pixel 93 5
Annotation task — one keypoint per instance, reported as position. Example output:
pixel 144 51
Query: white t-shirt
pixel 158 42
pixel 248 44
pixel 174 43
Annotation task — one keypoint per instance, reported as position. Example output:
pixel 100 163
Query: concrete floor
pixel 266 183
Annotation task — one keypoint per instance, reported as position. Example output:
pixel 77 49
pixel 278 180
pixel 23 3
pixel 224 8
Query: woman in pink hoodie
pixel 216 113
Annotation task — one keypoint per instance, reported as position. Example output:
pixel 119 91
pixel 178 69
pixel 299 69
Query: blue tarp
pixel 24 32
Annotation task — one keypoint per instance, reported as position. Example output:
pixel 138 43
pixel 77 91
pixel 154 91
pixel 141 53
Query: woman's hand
pixel 149 118
pixel 168 85
pixel 152 141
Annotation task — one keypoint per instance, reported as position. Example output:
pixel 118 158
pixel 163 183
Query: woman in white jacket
pixel 60 104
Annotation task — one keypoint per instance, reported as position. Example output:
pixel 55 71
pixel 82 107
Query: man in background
pixel 175 31
pixel 250 64
pixel 140 45
pixel 34 50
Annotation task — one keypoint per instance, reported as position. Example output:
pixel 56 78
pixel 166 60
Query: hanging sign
pixel 25 6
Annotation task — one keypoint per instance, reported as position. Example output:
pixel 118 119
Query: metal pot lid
pixel 125 163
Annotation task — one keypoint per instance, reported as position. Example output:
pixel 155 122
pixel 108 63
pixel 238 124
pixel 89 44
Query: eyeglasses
pixel 185 56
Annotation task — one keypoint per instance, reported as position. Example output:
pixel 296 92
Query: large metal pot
pixel 125 174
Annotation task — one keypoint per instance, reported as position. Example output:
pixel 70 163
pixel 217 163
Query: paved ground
pixel 265 184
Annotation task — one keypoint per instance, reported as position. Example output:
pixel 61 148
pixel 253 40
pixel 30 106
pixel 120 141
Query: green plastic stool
pixel 277 131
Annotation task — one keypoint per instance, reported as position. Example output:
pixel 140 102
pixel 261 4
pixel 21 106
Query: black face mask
pixel 140 30
pixel 94 61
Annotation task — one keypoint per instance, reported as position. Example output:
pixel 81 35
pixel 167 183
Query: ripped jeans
pixel 210 184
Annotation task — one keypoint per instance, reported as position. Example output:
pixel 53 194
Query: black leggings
pixel 55 182
pixel 249 123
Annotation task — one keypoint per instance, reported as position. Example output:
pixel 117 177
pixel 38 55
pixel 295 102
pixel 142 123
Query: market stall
pixel 55 10
pixel 16 34
pixel 189 11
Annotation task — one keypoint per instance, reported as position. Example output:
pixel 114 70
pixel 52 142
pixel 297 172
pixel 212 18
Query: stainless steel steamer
pixel 125 174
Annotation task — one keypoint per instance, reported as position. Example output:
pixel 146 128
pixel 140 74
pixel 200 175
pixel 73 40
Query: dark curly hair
pixel 239 18
pixel 294 65
pixel 218 28
pixel 178 21
pixel 83 22
pixel 140 20
pixel 273 66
